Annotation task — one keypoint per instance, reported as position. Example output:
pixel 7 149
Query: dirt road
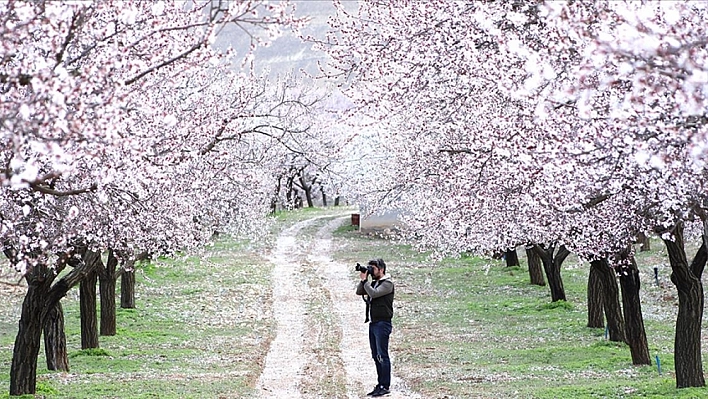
pixel 321 347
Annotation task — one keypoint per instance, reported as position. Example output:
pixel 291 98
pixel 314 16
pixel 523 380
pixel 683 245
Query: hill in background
pixel 287 53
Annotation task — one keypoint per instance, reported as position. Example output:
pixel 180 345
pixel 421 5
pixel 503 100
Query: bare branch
pixel 163 64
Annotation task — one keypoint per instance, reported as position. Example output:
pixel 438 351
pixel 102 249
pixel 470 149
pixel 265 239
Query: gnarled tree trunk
pixel 687 279
pixel 127 286
pixel 552 262
pixel 535 268
pixel 107 290
pixel 595 298
pixel 307 188
pixel 39 301
pixel 87 299
pixel 23 371
pixel 611 301
pixel 512 259
pixel 634 321
pixel 290 190
pixel 55 340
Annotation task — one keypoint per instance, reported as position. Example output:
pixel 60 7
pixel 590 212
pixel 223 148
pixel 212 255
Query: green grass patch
pixel 558 305
pixel 345 228
pixel 295 215
pixel 89 352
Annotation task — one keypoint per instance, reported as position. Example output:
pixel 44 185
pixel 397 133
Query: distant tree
pixel 511 258
pixel 127 285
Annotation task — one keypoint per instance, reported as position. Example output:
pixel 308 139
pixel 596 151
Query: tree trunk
pixel 336 200
pixel 512 259
pixel 611 302
pixel 274 201
pixel 89 324
pixel 595 297
pixel 297 204
pixel 634 321
pixel 55 340
pixel 535 269
pixel 40 299
pixel 127 286
pixel 290 191
pixel 308 191
pixel 324 196
pixel 87 302
pixel 687 344
pixel 107 290
pixel 643 240
pixel 23 371
pixel 552 265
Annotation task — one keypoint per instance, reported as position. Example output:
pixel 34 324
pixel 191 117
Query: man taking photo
pixel 378 295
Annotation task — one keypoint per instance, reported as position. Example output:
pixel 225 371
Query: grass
pixel 464 328
pixel 200 327
pixel 473 328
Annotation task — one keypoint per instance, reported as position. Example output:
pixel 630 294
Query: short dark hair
pixel 378 263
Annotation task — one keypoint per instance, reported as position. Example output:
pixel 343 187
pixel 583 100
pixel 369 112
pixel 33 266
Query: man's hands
pixel 363 276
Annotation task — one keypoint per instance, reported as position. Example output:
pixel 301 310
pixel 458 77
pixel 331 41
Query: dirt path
pixel 314 304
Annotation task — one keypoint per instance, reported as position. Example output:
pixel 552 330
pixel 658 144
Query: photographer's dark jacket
pixel 380 293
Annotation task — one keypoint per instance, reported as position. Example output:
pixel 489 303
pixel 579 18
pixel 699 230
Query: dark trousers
pixel 378 340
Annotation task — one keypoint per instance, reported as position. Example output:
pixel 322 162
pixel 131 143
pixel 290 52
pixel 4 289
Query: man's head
pixel 379 267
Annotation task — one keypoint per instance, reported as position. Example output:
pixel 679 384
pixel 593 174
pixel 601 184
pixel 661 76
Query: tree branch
pixel 48 190
pixel 163 64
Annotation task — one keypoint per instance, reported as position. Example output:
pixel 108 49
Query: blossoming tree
pixel 110 114
pixel 540 123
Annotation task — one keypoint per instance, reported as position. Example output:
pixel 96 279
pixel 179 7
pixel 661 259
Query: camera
pixel 364 269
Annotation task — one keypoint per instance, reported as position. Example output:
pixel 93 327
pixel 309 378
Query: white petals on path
pixel 284 371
